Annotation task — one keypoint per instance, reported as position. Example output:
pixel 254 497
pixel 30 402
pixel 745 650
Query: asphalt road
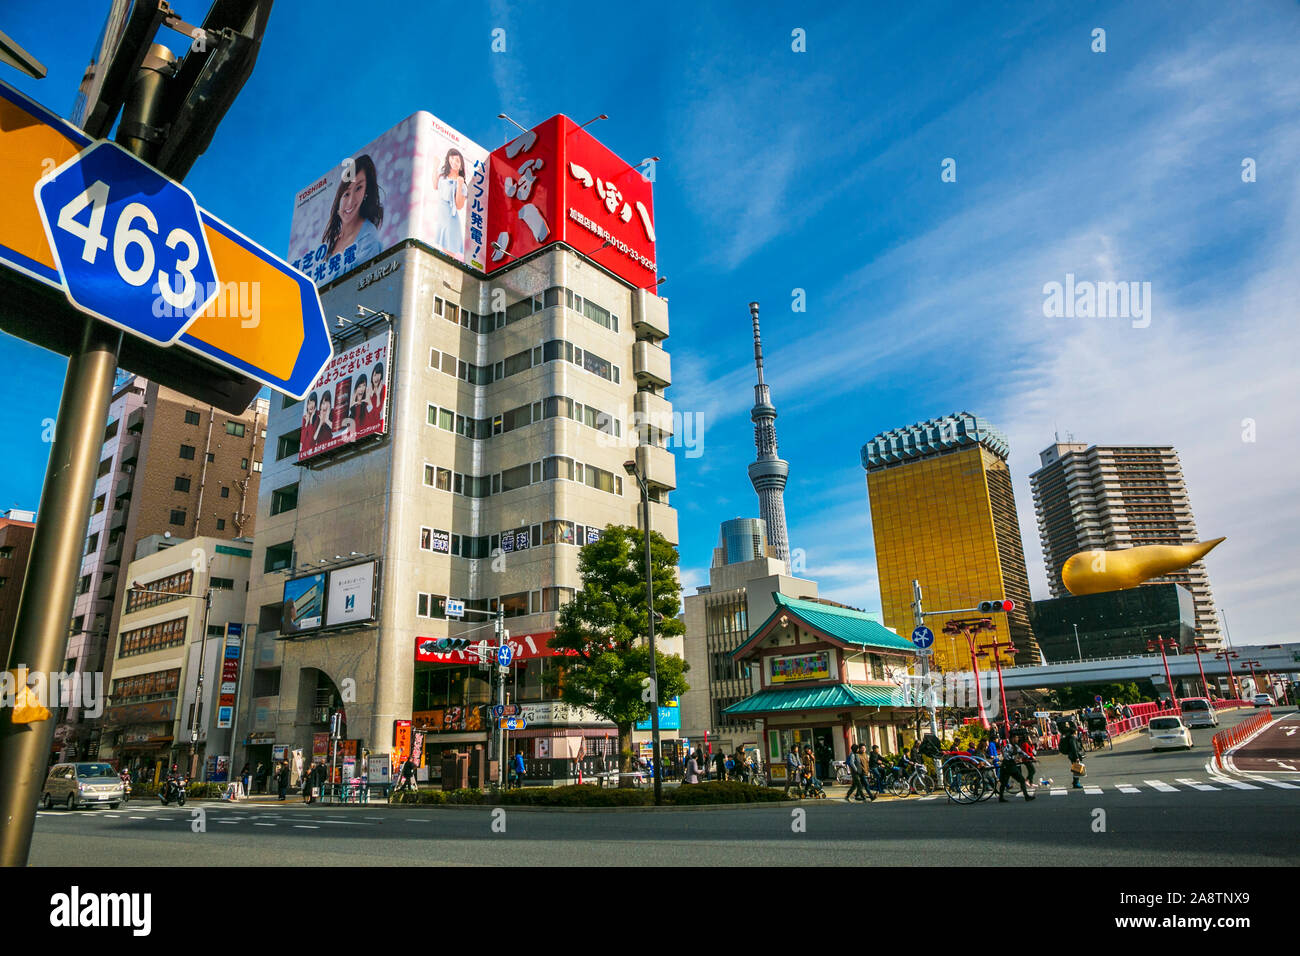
pixel 1141 809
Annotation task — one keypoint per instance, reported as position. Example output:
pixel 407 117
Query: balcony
pixel 663 519
pixel 651 364
pixel 652 409
pixel 650 312
pixel 122 489
pixel 135 421
pixel 113 555
pixel 130 449
pixel 118 521
pixel 107 588
pixel 658 466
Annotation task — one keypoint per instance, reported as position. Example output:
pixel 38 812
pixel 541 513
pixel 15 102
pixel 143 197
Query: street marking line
pixel 1092 790
pixel 1239 785
pixel 303 826
pixel 139 818
pixel 1058 791
pixel 265 824
pixel 231 822
pixel 1280 783
pixel 1126 788
pixel 1161 786
pixel 930 798
pixel 1194 784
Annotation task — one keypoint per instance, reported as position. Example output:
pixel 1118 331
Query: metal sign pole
pixel 41 630
pixel 501 699
pixel 918 620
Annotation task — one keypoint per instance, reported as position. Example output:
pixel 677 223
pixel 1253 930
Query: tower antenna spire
pixel 769 472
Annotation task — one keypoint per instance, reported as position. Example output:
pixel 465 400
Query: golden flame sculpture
pixel 1092 572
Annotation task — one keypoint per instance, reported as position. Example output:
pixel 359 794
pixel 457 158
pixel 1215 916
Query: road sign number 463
pixel 129 242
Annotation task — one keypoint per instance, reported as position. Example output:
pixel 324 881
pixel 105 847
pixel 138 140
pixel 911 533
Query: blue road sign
pixel 1097 698
pixel 505 653
pixel 128 241
pixel 922 636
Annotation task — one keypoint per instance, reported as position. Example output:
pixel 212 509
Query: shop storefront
pixel 827 678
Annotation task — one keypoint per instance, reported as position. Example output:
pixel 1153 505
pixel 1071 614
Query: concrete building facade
pixel 1118 496
pixel 151 719
pixel 512 403
pixel 17 528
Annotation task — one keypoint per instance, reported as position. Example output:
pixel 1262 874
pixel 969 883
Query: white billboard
pixel 351 595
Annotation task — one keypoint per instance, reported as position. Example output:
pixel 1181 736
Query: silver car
pixel 74 785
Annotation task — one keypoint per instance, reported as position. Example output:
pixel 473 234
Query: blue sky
pixel 820 171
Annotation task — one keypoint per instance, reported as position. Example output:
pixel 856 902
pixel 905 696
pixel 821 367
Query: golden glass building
pixel 943 513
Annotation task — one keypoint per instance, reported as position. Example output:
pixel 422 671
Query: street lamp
pixel 1227 656
pixel 968 629
pixel 631 468
pixel 991 650
pixel 1077 649
pixel 1197 646
pixel 1253 679
pixel 1162 643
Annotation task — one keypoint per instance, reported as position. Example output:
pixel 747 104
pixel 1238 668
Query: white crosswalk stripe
pixel 1092 790
pixel 1240 785
pixel 1195 784
pixel 1058 791
pixel 1281 783
pixel 1161 786
pixel 1127 788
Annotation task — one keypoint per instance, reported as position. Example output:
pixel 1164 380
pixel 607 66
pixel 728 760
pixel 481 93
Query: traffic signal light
pixel 452 644
pixel 990 607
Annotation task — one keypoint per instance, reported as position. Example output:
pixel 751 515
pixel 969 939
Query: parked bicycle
pixel 914 780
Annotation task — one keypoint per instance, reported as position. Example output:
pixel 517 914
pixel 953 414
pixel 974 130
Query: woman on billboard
pixel 361 413
pixel 357 212
pixel 308 424
pixel 323 429
pixel 378 391
pixel 449 210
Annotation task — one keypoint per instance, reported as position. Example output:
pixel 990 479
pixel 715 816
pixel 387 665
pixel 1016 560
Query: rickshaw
pixel 1098 733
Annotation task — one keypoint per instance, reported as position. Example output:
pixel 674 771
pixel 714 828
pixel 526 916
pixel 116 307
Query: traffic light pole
pixel 927 681
pixel 45 607
pixel 501 699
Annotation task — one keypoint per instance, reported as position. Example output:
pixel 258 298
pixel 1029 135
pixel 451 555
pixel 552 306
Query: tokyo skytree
pixel 768 473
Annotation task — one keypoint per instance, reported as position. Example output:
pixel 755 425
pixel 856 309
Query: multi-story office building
pixel 151 719
pixel 719 616
pixel 1118 496
pixel 503 407
pixel 16 531
pixel 170 465
pixel 943 513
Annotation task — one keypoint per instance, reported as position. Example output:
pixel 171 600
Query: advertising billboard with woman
pixel 420 180
pixel 349 401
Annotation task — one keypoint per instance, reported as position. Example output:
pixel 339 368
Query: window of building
pixel 279 556
pixel 105 467
pixel 235 428
pixel 181 484
pixel 187 452
pixel 83 585
pixel 225 492
pixel 268 618
pixel 243 463
pixel 111 430
pixel 211 457
pixel 221 584
pixel 257 466
pixel 177 516
pixel 288 444
pixel 191 418
pixel 143 640
pixel 99 504
pixel 160 591
pixel 92 543
pixel 7 551
pixel 284 499
pixel 221 524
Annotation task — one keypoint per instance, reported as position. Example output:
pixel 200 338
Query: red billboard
pixel 556 182
pixel 526 646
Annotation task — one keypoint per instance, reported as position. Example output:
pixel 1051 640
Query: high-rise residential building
pixel 170 465
pixel 769 472
pixel 719 616
pixel 740 539
pixel 1118 496
pixel 500 410
pixel 169 635
pixel 943 513
pixel 17 528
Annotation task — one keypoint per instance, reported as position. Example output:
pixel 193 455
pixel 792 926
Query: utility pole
pixel 927 682
pixel 41 630
pixel 499 631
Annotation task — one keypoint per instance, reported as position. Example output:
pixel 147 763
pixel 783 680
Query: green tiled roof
pixel 818 698
pixel 851 627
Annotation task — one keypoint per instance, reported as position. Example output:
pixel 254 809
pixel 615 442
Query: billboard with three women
pixel 349 401
pixel 422 180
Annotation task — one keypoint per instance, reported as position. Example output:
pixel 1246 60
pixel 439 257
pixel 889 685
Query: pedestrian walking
pixel 1012 758
pixel 793 766
pixel 1072 749
pixel 741 765
pixel 858 777
pixel 692 772
pixel 519 768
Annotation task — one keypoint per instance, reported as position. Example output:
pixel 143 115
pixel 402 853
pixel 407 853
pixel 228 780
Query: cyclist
pixel 877 765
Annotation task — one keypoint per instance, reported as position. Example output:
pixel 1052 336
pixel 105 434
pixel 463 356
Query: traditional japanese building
pixel 828 677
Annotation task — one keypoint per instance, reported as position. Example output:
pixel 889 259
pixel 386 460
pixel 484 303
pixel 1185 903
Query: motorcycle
pixel 126 786
pixel 173 788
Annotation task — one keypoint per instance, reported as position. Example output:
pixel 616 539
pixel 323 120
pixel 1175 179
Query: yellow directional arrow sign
pixel 261 317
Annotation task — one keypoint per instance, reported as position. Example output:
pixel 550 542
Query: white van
pixel 1199 712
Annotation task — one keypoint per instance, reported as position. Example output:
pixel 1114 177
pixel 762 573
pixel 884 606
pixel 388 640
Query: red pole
pixel 975 673
pixel 1204 684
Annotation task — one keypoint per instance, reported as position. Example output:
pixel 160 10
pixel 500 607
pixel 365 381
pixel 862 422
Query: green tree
pixel 605 627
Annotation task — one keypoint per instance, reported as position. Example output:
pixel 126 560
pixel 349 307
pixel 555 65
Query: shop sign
pixel 800 667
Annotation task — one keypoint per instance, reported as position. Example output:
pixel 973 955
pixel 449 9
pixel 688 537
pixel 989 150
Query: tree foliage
pixel 606 626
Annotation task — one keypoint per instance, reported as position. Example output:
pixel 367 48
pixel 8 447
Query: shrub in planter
pixel 722 791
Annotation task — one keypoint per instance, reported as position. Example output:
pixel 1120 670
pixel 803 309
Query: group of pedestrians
pixel 721 766
pixel 268 778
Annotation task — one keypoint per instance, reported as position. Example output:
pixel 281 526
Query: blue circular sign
pixel 922 637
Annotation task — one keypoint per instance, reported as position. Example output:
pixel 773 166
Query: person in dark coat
pixel 282 778
pixel 1072 749
pixel 720 764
